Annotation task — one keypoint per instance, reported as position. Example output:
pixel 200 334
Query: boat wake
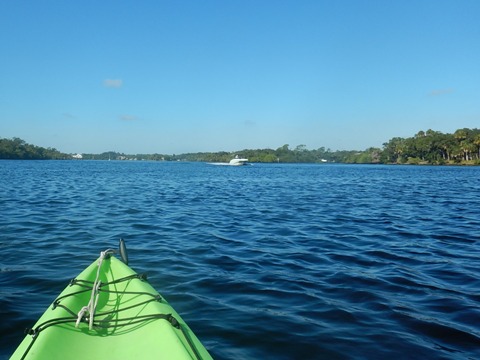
pixel 225 164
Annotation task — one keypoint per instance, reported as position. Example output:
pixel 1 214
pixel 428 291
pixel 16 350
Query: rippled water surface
pixel 262 261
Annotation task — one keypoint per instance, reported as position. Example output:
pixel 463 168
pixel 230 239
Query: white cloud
pixel 438 92
pixel 128 117
pixel 69 116
pixel 113 83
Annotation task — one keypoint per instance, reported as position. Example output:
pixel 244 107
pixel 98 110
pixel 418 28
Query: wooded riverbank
pixel 424 148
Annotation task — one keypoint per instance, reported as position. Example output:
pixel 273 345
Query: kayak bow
pixel 110 311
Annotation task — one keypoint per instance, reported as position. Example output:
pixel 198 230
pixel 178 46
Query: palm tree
pixel 476 141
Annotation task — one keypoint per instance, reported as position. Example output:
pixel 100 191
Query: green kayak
pixel 110 312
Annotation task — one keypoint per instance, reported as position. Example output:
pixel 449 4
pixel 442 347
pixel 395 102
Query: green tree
pixel 393 150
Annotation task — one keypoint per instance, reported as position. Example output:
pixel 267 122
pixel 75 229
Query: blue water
pixel 263 261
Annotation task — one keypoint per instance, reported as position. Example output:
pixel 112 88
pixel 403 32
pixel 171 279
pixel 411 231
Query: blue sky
pixel 187 76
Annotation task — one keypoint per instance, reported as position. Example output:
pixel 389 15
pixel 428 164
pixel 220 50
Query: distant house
pixel 77 156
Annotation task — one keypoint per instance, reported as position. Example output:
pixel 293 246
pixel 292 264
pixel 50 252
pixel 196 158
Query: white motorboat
pixel 238 161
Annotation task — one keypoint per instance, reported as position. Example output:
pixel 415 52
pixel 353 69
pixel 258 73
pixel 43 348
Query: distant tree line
pixel 426 147
pixel 434 147
pixel 18 149
pixel 299 154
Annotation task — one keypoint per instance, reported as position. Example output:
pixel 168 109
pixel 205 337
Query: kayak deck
pixel 130 320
